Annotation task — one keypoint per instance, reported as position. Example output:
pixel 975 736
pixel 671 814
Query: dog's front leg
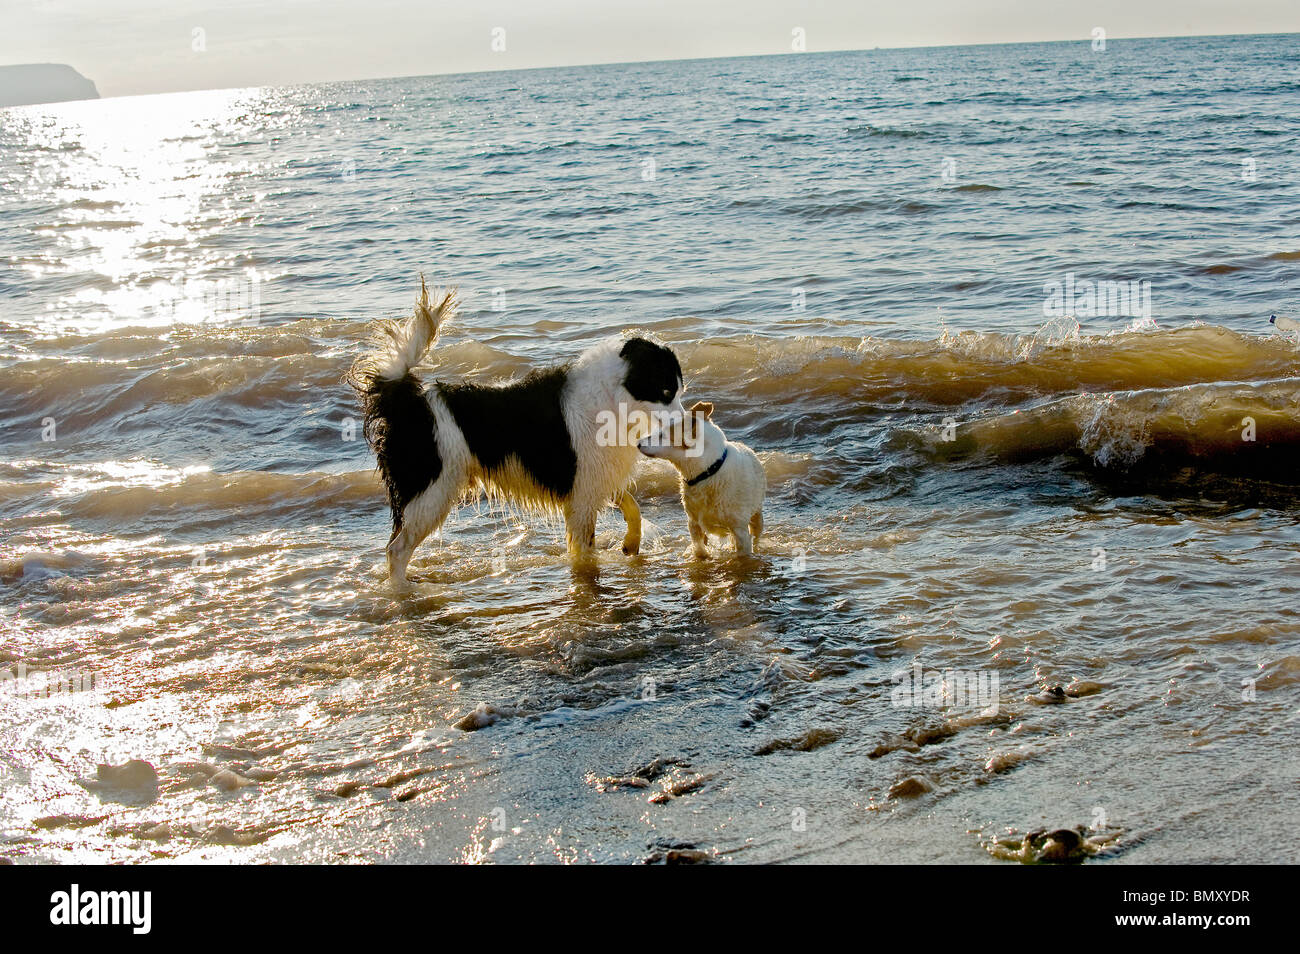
pixel 632 514
pixel 698 537
pixel 580 524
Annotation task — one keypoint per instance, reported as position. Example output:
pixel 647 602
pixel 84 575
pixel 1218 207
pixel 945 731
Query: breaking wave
pixel 1201 395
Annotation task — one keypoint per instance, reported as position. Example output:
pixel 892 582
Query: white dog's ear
pixel 702 407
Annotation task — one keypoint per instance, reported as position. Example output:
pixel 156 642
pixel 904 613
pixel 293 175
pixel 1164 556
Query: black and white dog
pixel 562 439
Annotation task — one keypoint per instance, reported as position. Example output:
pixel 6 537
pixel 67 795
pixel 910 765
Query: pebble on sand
pixel 131 781
pixel 480 717
pixel 911 787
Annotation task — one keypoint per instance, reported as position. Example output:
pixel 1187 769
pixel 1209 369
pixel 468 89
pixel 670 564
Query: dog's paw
pixel 631 549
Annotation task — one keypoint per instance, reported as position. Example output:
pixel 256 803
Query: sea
pixel 996 320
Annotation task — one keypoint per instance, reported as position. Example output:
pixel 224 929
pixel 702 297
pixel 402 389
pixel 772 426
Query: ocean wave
pixel 837 377
pixel 866 129
pixel 833 205
pixel 1245 263
pixel 93 393
pixel 42 564
pixel 172 492
pixel 998 369
pixel 92 205
pixel 1245 429
pixel 129 490
pixel 102 225
pixel 817 211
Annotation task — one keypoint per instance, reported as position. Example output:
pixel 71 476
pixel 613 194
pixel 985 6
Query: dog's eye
pixel 668 395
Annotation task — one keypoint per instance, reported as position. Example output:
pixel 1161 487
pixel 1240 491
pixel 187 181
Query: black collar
pixel 713 469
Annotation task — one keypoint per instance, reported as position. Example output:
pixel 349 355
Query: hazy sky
pixel 145 46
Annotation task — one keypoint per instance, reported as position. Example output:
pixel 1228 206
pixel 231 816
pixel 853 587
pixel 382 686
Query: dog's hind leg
pixel 421 517
pixel 632 514
pixel 744 543
pixel 580 510
pixel 756 526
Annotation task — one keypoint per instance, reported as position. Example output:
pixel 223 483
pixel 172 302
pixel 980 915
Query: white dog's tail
pixel 401 344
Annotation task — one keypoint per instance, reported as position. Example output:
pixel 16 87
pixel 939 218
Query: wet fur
pixel 531 442
pixel 727 502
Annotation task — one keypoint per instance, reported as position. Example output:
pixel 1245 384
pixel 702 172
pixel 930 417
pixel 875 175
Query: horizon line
pixel 670 59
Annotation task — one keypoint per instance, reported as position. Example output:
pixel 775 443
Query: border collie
pixel 562 439
pixel 723 482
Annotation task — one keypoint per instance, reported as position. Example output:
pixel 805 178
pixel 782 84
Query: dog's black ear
pixel 643 349
pixel 653 374
pixel 703 407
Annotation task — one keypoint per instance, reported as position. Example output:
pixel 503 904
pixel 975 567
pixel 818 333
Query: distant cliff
pixel 43 83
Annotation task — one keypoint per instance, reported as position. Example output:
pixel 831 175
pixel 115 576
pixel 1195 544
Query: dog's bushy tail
pixel 398 422
pixel 400 345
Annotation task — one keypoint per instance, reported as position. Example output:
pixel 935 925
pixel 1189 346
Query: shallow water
pixel 957 479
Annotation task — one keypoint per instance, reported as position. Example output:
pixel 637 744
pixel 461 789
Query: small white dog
pixel 723 482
